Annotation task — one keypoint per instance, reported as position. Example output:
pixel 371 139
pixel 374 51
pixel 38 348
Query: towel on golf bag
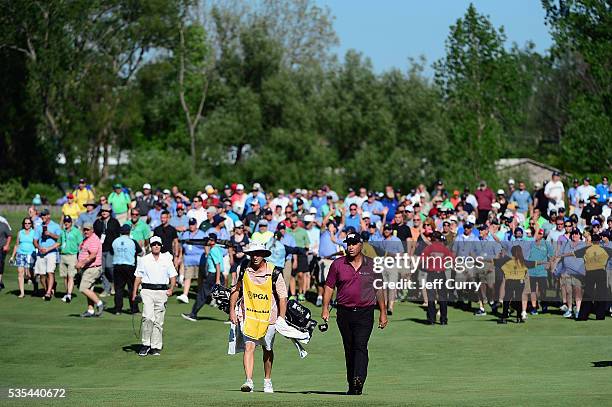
pixel 290 332
pixel 236 340
pixel 299 317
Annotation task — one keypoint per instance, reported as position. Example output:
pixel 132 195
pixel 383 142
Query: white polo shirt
pixel 156 271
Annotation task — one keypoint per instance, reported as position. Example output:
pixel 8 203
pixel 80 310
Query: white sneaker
pixel 64 298
pixel 319 301
pixel 247 387
pixel 563 308
pixel 183 298
pixel 524 315
pixel 268 386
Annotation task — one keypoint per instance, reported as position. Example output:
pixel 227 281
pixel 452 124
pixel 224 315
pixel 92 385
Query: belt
pixel 355 309
pixel 154 286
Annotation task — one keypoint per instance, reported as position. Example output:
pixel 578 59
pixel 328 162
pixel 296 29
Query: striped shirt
pixel 90 245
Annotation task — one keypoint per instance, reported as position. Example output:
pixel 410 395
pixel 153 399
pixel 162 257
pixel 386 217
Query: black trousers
pixel 595 295
pixel 514 294
pixel 442 297
pixel 124 274
pixel 204 291
pixel 355 325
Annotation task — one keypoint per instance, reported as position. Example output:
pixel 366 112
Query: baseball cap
pixel 146 186
pixel 468 225
pixel 239 187
pixel 366 215
pixel 500 192
pixel 409 208
pixel 126 228
pixel 117 186
pixel 227 186
pixel 238 224
pixel 212 236
pixel 299 202
pixel 67 219
pixel 268 211
pixel 105 208
pixel 587 179
pixel 313 210
pixel 82 180
pixel 88 226
pixel 388 226
pixel 540 231
pixel 167 191
pixel 556 174
pixel 281 191
pixel 353 238
pixel 595 222
pixel 280 226
pixel 471 219
pixel 70 196
pixel 309 218
pixel 212 210
pixel 217 219
pixel 155 239
pixel 263 222
pixel 511 181
pixel 91 202
pixel 193 221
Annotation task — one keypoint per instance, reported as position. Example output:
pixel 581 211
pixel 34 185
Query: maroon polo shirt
pixel 485 198
pixel 355 287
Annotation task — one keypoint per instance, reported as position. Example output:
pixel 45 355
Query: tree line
pixel 202 92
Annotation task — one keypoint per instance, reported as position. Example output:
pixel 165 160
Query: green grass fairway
pixel 471 362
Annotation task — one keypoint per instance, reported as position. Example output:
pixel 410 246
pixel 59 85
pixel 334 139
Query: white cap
pixel 212 209
pixel 500 192
pixel 312 210
pixel 146 186
pixel 204 197
pixel 167 191
pixel 309 218
pixel 366 215
pixel 409 208
pixel 416 198
pixel 239 187
pixel 471 219
pixel 496 205
pixel 155 239
pixel 238 223
pixel 138 194
pixel 610 199
pixel 511 181
pixel 256 186
pixel 304 191
pixel 297 191
pixel 453 218
pixel 281 191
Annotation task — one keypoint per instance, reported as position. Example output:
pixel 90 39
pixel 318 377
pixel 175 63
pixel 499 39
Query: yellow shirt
pixel 71 210
pixel 82 196
pixel 513 270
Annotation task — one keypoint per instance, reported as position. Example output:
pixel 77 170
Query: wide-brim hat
pixel 254 247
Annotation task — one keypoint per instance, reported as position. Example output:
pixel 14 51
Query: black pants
pixel 355 327
pixel 124 274
pixel 483 215
pixel 595 295
pixel 514 294
pixel 442 297
pixel 204 290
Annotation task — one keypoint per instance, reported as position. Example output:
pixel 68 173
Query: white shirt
pixel 155 271
pixel 585 191
pixel 198 214
pixel 554 190
pixel 279 201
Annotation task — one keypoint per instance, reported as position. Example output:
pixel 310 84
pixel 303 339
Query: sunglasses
pixel 156 244
pixel 27 223
pixel 135 214
pixel 86 230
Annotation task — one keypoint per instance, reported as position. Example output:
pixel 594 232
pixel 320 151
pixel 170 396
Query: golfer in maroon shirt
pixel 353 275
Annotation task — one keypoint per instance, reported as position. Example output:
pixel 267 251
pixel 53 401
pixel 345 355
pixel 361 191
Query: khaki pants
pixel 67 265
pixel 153 313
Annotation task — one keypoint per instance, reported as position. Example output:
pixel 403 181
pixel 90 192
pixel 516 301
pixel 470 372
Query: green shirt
pixel 70 241
pixel 140 231
pixel 300 236
pixel 120 202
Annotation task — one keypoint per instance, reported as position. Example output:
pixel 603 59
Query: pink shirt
pixel 91 245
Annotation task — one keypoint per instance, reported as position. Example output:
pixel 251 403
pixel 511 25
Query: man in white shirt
pixel 585 190
pixel 197 211
pixel 555 192
pixel 281 200
pixel 154 271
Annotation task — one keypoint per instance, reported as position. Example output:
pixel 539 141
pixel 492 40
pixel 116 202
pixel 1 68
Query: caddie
pixel 259 305
pixel 157 275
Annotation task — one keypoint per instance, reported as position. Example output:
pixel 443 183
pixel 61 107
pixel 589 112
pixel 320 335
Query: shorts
pixel 541 282
pixel 45 264
pixel 288 271
pixel 571 280
pixel 25 261
pixel 89 277
pixel 302 265
pixel 191 272
pixel 267 342
pixel 485 275
pixel 67 266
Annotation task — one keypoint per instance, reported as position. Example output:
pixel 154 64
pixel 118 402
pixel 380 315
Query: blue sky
pixel 391 31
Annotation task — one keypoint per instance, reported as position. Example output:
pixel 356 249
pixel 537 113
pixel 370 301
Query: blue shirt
pixel 86 217
pixel 572 196
pixel 326 246
pixel 392 245
pixel 222 234
pixel 371 207
pixel 391 205
pixel 318 202
pixel 47 241
pixel 155 217
pixel 26 242
pixel 250 198
pixel 182 221
pixel 522 199
pixel 603 192
pixel 289 241
pixel 215 256
pixel 278 253
pixel 354 221
pixel 124 251
pixel 192 253
pixel 540 252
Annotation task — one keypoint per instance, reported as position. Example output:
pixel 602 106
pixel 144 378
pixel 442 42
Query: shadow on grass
pixel 133 348
pixel 602 363
pixel 417 320
pixel 333 393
